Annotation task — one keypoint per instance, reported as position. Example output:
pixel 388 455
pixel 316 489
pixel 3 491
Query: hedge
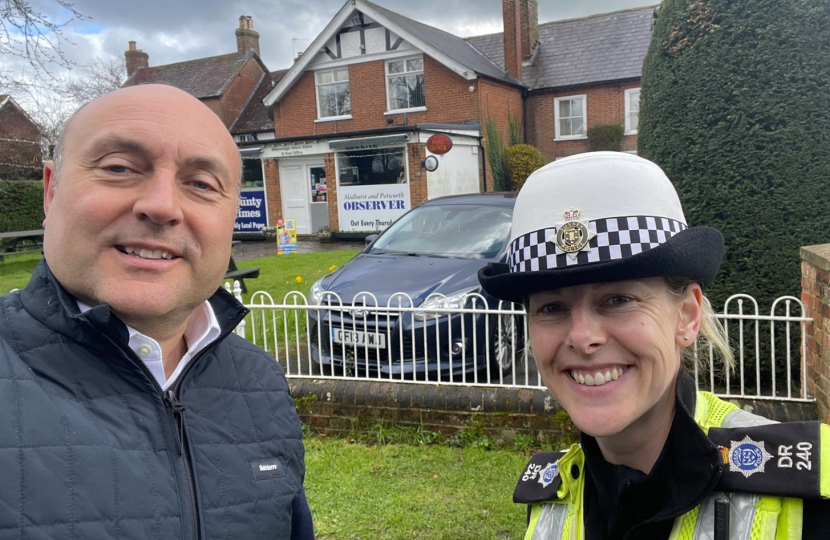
pixel 736 109
pixel 21 205
pixel 522 160
pixel 605 137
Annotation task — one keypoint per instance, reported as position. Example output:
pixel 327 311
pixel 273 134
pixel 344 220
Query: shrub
pixel 21 205
pixel 522 160
pixel 605 137
pixel 496 155
pixel 736 109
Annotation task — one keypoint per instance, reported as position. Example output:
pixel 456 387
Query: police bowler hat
pixel 597 217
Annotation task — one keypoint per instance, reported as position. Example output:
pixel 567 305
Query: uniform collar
pixel 686 471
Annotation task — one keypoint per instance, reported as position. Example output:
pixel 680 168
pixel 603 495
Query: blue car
pixel 428 259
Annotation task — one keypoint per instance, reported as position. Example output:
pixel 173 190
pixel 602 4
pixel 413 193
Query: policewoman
pixel 612 276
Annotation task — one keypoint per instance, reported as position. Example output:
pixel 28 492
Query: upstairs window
pixel 333 98
pixel 405 83
pixel 632 110
pixel 571 117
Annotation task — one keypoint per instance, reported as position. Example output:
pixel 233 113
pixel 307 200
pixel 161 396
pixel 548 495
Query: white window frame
pixel 317 85
pixel 558 136
pixel 247 137
pixel 389 109
pixel 628 94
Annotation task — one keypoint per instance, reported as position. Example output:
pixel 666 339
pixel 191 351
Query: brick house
pixel 339 138
pixel 579 73
pixel 20 142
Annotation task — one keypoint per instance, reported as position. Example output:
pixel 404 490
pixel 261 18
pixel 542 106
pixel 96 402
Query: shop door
pixel 295 194
pixel 319 197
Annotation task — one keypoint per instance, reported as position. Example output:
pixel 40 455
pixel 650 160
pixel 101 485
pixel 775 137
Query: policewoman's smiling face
pixel 610 352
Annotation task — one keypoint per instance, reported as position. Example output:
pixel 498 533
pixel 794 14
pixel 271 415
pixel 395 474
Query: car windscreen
pixel 453 230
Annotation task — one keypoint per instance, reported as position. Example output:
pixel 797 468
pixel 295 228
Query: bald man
pixel 129 407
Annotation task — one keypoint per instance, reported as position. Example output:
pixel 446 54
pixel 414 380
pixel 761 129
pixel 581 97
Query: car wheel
pixel 506 342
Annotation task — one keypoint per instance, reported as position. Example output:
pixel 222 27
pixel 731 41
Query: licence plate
pixel 357 338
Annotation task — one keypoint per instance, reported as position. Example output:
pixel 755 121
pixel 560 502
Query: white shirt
pixel 202 328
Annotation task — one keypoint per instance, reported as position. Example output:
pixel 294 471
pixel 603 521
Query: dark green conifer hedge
pixel 736 109
pixel 21 205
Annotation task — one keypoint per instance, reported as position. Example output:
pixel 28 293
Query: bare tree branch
pixel 31 35
pixel 97 78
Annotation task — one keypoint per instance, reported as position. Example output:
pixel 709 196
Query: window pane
pixel 371 167
pixel 576 107
pixel 324 77
pixel 564 127
pixel 634 106
pixel 326 97
pixel 564 108
pixel 416 90
pixel 577 127
pixel 415 64
pixel 341 75
pixel 395 67
pixel 344 99
pixel 398 93
pixel 635 120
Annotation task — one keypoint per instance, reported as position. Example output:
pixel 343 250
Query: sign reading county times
pixel 373 207
pixel 251 215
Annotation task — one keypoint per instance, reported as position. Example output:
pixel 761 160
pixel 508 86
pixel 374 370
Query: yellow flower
pixel 299 279
pixel 332 268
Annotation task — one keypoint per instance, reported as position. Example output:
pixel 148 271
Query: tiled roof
pixel 255 118
pixel 592 49
pixel 454 47
pixel 202 78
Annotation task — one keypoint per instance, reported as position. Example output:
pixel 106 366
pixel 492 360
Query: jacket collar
pixel 49 303
pixel 687 470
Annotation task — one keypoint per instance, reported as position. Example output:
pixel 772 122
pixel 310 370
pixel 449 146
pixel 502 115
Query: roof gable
pixel 383 31
pixel 202 78
pixel 594 49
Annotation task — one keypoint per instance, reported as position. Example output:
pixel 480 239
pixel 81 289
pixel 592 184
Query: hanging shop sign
pixel 439 144
pixel 430 163
pixel 251 215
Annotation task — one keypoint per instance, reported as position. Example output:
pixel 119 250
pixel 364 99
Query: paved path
pixel 253 250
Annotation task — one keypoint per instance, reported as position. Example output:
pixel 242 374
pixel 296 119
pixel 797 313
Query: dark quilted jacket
pixel 91 448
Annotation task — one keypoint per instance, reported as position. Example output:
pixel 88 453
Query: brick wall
pixel 418 186
pixel 331 191
pixel 240 91
pixel 498 100
pixel 815 294
pixel 271 169
pixel 605 104
pixel 448 101
pixel 17 158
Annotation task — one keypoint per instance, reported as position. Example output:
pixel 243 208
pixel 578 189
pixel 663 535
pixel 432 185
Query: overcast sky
pixel 173 31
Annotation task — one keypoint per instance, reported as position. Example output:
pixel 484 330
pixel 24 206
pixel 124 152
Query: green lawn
pixel 16 270
pixel 402 492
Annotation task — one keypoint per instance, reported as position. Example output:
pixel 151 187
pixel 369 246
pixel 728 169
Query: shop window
pixel 333 98
pixel 372 167
pixel 319 191
pixel 252 173
pixel 405 83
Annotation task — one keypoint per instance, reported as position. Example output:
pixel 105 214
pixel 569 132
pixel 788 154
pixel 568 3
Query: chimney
pixel 246 37
pixel 521 33
pixel 135 59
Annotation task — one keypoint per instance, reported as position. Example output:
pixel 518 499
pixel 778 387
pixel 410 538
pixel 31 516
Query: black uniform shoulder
pixel 540 479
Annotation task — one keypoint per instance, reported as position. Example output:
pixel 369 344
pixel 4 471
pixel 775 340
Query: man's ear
pixel 691 313
pixel 50 179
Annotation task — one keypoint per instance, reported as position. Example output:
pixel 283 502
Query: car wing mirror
pixel 371 238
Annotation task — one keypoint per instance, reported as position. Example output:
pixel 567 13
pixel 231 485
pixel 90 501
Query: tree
pixel 97 78
pixel 522 161
pixel 30 34
pixel 736 109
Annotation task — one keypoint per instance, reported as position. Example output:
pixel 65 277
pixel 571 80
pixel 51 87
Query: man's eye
pixel 619 300
pixel 202 186
pixel 117 169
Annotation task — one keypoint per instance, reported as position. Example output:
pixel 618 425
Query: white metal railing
pixel 465 341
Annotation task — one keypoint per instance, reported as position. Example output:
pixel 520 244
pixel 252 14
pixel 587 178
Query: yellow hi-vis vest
pixel 752 516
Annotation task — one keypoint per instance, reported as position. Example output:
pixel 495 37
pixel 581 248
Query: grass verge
pixel 16 270
pixel 403 492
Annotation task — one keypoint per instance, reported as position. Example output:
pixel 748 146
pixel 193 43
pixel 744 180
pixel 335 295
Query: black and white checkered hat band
pixel 611 239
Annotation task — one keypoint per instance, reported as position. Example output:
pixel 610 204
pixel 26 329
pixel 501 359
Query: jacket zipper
pixel 175 412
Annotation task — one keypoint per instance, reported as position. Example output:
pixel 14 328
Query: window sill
pixel 401 111
pixel 627 133
pixel 579 138
pixel 333 118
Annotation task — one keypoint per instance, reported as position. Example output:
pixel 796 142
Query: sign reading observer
pixel 251 215
pixel 373 207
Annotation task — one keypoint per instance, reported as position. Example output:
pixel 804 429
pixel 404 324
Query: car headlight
pixel 316 293
pixel 456 300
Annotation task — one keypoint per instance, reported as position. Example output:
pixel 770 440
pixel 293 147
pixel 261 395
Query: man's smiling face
pixel 140 215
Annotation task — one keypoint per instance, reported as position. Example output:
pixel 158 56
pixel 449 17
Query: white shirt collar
pixel 201 330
